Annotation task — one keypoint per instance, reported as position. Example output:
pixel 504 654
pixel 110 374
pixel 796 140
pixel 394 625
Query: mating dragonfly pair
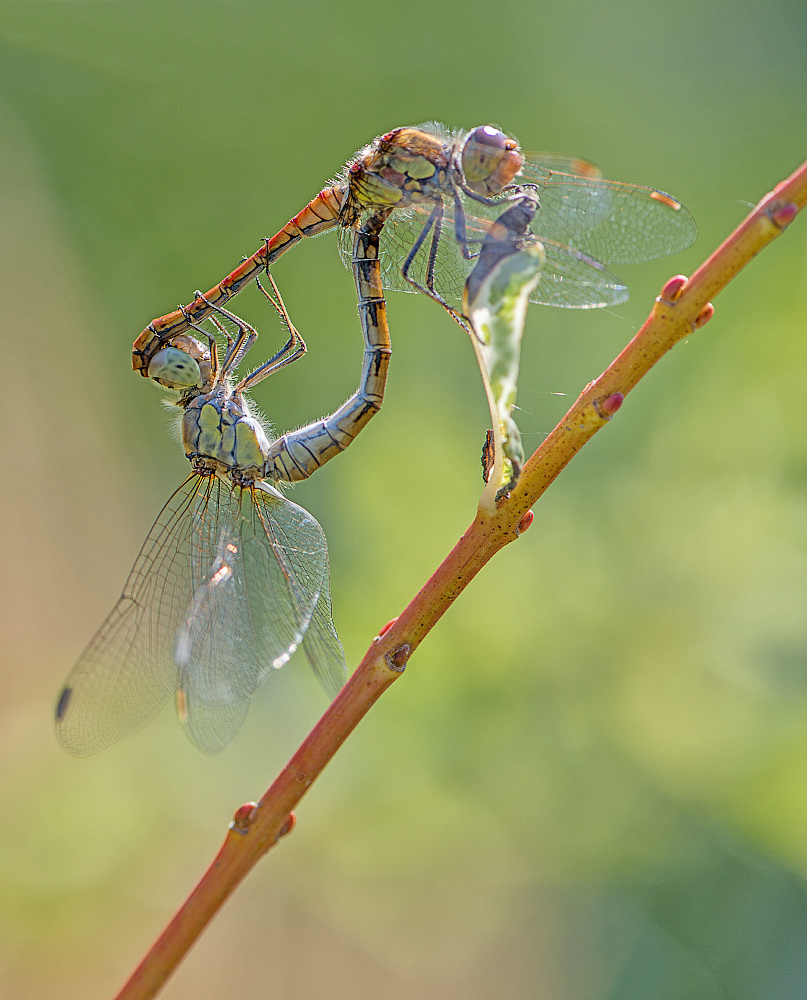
pixel 233 578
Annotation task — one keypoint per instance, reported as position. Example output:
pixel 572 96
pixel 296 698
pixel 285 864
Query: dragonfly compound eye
pixel 490 160
pixel 487 135
pixel 175 369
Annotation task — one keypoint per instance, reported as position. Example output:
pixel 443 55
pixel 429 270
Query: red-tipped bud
pixel 704 316
pixel 387 627
pixel 242 817
pixel 785 214
pixel 288 826
pixel 611 404
pixel 673 288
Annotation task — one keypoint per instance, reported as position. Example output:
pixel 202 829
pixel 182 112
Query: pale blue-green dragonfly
pixel 233 577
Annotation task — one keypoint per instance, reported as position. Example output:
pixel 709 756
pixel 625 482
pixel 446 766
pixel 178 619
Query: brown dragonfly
pixel 444 190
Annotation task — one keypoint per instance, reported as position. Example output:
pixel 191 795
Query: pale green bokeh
pixel 592 780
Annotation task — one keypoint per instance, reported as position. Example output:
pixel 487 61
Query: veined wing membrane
pixel 611 221
pixel 570 278
pixel 321 644
pixel 225 577
pixel 127 671
pixel 254 610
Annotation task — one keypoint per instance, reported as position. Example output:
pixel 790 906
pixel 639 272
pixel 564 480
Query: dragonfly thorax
pixel 401 168
pixel 220 436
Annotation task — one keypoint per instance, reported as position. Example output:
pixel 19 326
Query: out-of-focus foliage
pixel 592 781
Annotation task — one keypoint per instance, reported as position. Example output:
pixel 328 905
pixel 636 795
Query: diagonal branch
pixel 683 306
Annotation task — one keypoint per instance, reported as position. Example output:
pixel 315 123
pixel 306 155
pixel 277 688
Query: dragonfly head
pixel 489 160
pixel 185 364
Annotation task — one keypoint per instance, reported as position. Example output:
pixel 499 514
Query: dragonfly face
pixel 490 160
pixel 184 364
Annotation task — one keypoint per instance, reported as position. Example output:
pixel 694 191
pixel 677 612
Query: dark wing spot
pixel 64 701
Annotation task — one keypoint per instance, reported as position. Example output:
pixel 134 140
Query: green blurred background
pixel 592 780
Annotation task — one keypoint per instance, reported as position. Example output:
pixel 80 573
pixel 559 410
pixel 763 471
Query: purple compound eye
pixel 489 160
pixel 487 135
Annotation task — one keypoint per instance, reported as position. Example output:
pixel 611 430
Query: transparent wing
pixel 250 613
pixel 612 221
pixel 127 671
pixel 321 644
pixel 570 278
pixel 222 592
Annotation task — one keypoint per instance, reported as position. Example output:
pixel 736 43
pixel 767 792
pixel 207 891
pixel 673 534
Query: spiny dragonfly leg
pixel 497 199
pixel 513 193
pixel 295 346
pixel 300 453
pixel 237 346
pixel 211 340
pixel 292 350
pixel 434 222
pixel 222 329
pixel 434 225
pixel 461 230
pixel 436 234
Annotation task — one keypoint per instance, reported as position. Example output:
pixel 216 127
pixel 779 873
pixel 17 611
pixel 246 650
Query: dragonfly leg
pixel 434 224
pixel 437 232
pixel 513 193
pixel 211 340
pixel 300 453
pixel 461 230
pixel 222 329
pixel 499 199
pixel 237 346
pixel 294 348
